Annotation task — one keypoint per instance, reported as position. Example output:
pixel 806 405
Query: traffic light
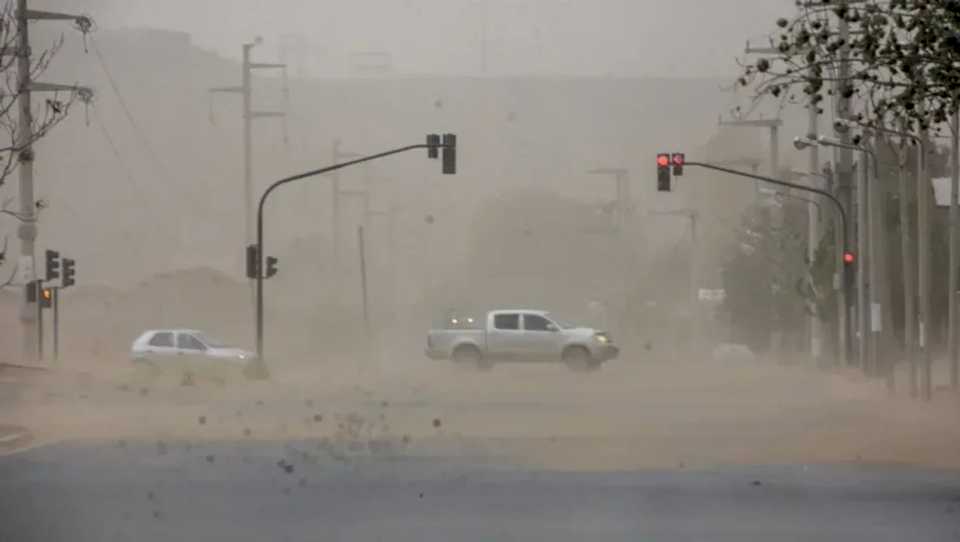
pixel 433 146
pixel 678 158
pixel 849 266
pixel 663 172
pixel 253 261
pixel 68 273
pixel 53 265
pixel 271 266
pixel 449 154
pixel 46 298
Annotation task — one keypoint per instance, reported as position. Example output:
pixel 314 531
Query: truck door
pixel 504 336
pixel 541 338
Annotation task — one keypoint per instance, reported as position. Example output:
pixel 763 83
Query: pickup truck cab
pixel 520 336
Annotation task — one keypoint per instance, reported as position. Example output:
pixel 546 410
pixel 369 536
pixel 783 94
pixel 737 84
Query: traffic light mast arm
pixel 328 169
pixel 433 144
pixel 771 180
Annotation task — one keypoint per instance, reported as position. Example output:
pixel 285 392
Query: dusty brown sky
pixel 582 37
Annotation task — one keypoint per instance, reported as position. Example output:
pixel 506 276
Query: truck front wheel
pixel 578 359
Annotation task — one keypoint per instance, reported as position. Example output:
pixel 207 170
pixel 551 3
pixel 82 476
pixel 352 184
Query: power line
pixel 126 110
pixel 128 173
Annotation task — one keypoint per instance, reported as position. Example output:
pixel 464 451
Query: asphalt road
pixel 299 491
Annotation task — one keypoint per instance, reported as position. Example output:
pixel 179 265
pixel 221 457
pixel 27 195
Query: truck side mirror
pixel 552 327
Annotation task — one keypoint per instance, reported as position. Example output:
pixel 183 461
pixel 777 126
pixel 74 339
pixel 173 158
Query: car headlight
pixel 602 339
pixel 242 356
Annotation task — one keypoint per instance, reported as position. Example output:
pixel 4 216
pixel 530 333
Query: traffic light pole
pixel 39 285
pixel 836 202
pixel 56 324
pixel 449 146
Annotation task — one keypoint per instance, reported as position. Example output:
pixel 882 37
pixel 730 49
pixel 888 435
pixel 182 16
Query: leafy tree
pixel 768 278
pixel 901 54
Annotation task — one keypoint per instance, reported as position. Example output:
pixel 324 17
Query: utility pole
pixel 874 235
pixel 249 114
pixel 923 264
pixel 952 270
pixel 363 282
pixel 844 170
pixel 909 284
pixel 864 263
pixel 813 234
pixel 27 232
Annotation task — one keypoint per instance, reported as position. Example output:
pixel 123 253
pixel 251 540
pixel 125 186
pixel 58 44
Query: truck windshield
pixel 563 323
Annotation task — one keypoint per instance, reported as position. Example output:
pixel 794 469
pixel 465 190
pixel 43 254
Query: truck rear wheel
pixel 470 356
pixel 578 359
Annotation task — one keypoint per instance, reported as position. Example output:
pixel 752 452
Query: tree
pixel 45 114
pixel 768 279
pixel 901 54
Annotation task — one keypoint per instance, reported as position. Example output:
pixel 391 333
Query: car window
pixel 161 339
pixel 210 341
pixel 506 321
pixel 189 342
pixel 535 322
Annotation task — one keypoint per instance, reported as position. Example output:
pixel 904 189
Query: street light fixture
pixel 804 142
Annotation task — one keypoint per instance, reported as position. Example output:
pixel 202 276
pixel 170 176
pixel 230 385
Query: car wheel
pixel 577 359
pixel 470 356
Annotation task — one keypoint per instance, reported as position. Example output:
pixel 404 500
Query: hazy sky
pixel 596 37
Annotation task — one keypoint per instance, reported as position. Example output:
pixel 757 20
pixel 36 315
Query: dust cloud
pixel 153 212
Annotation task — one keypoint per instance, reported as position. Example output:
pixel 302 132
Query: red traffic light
pixel 679 158
pixel 849 258
pixel 663 160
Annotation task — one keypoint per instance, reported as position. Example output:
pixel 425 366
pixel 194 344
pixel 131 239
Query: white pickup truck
pixel 520 336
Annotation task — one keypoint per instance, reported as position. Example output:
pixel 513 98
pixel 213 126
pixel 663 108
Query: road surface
pixel 270 491
pixel 422 451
